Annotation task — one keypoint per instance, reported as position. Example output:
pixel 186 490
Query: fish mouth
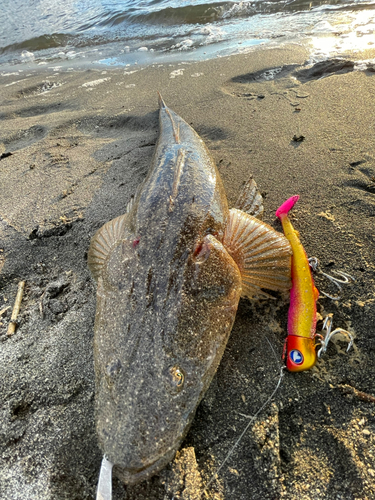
pixel 133 476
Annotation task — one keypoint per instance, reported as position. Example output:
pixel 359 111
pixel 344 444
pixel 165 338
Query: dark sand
pixel 78 154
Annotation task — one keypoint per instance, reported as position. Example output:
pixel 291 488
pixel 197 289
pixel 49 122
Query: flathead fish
pixel 170 273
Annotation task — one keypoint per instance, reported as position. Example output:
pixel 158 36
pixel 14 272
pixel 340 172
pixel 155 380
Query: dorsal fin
pixel 262 254
pixel 103 241
pixel 250 200
pixel 130 205
pixel 131 202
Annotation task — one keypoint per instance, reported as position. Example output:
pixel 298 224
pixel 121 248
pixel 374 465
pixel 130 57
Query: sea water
pixel 129 32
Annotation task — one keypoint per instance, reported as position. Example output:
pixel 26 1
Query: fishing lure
pixel 300 343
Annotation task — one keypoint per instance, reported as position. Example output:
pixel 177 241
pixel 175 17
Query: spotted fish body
pixel 169 275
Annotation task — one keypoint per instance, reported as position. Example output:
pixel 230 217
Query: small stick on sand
pixel 363 396
pixel 3 310
pixel 16 309
pixel 41 308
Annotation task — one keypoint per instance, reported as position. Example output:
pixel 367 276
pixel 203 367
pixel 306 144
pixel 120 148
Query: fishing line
pixel 229 454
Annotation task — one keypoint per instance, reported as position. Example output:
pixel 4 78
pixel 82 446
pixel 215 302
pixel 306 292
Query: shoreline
pixel 79 146
pixel 317 48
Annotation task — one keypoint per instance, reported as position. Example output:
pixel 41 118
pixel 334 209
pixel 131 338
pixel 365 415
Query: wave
pixel 219 11
pixel 151 20
pixel 39 43
pixel 189 14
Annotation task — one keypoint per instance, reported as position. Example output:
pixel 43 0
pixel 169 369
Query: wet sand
pixel 74 147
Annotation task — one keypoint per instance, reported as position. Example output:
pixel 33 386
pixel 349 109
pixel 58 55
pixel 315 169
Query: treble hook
pixel 324 340
pixel 314 264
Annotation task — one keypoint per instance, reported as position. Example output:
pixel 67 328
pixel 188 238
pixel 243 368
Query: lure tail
pixel 287 206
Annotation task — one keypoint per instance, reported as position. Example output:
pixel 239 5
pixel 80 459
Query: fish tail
pixel 286 206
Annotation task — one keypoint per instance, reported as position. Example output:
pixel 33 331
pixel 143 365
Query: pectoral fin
pixel 103 241
pixel 250 200
pixel 262 254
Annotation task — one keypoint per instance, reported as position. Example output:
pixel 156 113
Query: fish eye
pixel 179 376
pixel 176 379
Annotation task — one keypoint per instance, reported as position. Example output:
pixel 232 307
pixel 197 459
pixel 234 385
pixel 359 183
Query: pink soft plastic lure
pixel 300 343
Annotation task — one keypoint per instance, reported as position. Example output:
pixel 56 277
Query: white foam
pixel 364 65
pixel 27 56
pixel 239 9
pixel 72 54
pixel 142 49
pixel 184 45
pixel 323 27
pixel 177 72
pixel 94 83
pixel 212 33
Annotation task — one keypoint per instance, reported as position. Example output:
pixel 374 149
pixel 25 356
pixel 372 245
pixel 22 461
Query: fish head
pixel 157 345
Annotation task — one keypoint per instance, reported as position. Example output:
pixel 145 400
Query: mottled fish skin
pixel 167 296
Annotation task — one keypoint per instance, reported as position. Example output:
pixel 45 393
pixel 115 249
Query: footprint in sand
pixel 359 184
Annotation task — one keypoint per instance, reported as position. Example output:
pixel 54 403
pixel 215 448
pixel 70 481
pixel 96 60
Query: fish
pixel 170 273
pixel 301 340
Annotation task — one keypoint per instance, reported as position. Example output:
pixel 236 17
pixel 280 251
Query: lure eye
pixel 176 379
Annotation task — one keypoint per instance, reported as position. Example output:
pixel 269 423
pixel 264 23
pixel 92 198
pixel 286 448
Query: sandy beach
pixel 74 146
